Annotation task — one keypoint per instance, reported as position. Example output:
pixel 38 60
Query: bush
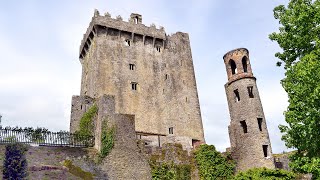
pixel 170 171
pixel 267 174
pixel 15 163
pixel 212 164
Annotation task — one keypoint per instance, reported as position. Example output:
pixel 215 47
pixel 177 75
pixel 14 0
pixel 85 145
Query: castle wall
pixel 79 105
pixel 166 94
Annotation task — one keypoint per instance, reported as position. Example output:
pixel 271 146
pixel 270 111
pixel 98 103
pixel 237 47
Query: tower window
pixel 250 92
pixel 136 20
pixel 237 95
pixel 244 64
pixel 127 42
pixel 167 76
pixel 131 66
pixel 158 48
pixel 265 150
pixel 244 126
pixel 260 123
pixel 134 85
pixel 233 66
pixel 170 130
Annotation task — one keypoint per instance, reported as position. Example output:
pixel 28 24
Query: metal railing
pixel 45 138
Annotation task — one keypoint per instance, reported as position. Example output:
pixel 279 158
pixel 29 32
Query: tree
pixel 15 163
pixel 299 38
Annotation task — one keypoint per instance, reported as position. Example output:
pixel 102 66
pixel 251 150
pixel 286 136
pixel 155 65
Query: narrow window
pixel 134 85
pixel 81 107
pixel 265 150
pixel 167 76
pixel 131 66
pixel 260 123
pixel 186 99
pixel 127 42
pixel 237 95
pixel 158 48
pixel 171 130
pixel 250 92
pixel 136 20
pixel 233 66
pixel 244 126
pixel 244 64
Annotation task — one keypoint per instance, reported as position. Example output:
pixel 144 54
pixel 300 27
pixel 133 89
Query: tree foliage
pixel 266 174
pixel 299 38
pixel 212 164
pixel 15 163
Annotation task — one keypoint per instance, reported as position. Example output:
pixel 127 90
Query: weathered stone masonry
pixel 249 138
pixel 149 73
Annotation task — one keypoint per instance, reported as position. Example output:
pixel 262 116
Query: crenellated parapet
pixel 134 26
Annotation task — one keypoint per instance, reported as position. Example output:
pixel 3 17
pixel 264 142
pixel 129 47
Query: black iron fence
pixel 45 138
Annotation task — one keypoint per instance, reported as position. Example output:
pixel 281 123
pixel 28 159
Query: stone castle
pixel 143 81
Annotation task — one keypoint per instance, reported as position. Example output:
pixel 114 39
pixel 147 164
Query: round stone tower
pixel 249 137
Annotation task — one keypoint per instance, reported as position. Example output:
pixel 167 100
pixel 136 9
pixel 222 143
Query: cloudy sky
pixel 40 69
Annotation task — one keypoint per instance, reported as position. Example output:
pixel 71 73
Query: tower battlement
pixel 133 27
pixel 238 65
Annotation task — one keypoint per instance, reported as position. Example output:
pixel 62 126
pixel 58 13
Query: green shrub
pixel 15 163
pixel 163 171
pixel 264 173
pixel 212 164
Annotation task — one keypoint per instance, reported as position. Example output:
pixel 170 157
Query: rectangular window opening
pixel 250 88
pixel 244 126
pixel 237 95
pixel 127 42
pixel 131 66
pixel 265 150
pixel 134 85
pixel 170 130
pixel 260 123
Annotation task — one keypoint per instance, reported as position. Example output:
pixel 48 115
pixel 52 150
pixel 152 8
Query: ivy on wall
pixel 86 126
pixel 107 139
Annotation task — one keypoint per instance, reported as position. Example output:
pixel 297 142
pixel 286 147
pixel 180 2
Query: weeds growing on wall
pixel 86 122
pixel 107 139
pixel 212 164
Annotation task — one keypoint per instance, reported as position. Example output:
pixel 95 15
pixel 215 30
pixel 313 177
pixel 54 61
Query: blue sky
pixel 40 69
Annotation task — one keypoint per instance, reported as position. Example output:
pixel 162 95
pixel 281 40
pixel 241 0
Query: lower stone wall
pixel 48 162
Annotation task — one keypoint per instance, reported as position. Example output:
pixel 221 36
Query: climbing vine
pixel 86 123
pixel 107 139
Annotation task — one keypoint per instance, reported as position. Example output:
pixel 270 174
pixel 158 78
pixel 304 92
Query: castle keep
pixel 148 73
pixel 249 137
